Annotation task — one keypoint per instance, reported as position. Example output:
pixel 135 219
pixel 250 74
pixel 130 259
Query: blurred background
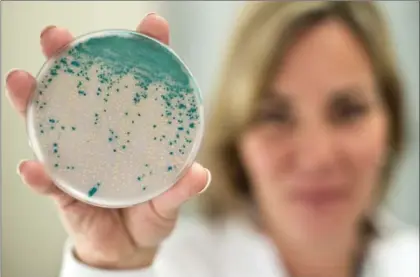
pixel 32 235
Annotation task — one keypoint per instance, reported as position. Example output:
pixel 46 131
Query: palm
pixel 115 232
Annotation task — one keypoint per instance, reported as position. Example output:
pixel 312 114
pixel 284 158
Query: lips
pixel 320 197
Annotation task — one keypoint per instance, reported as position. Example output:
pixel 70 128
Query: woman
pixel 306 129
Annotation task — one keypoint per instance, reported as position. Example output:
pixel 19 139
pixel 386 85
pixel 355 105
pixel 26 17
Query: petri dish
pixel 116 118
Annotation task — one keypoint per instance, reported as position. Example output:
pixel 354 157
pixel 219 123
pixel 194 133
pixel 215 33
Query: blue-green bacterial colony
pixel 114 116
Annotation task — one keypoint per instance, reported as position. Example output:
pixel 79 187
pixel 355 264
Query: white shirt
pixel 199 249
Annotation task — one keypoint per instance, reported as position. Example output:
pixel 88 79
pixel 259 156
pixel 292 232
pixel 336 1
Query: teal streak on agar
pixel 92 191
pixel 126 55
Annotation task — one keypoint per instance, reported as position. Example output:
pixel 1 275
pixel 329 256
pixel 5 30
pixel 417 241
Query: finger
pixel 33 174
pixel 20 85
pixel 194 182
pixel 53 39
pixel 155 26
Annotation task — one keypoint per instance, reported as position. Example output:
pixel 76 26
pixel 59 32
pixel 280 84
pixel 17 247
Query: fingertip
pixel 9 76
pixel 155 26
pixel 19 86
pixel 198 179
pixel 53 39
pixel 15 77
pixel 20 169
pixel 33 174
pixel 195 181
pixel 208 182
pixel 46 29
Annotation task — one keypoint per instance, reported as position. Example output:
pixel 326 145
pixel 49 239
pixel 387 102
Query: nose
pixel 315 149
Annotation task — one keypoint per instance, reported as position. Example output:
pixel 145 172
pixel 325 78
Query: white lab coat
pixel 234 249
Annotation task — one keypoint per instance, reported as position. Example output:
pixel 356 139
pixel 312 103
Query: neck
pixel 306 261
pixel 333 258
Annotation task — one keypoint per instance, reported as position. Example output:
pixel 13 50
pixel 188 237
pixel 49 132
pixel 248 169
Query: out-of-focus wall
pixel 32 234
pixel 404 26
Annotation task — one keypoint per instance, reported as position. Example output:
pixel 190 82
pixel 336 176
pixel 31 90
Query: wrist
pixel 137 260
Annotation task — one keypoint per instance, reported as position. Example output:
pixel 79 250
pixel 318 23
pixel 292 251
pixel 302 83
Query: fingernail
pixel 208 181
pixel 151 13
pixel 43 32
pixel 21 167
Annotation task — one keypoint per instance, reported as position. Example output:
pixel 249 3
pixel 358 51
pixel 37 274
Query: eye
pixel 346 110
pixel 276 115
pixel 274 109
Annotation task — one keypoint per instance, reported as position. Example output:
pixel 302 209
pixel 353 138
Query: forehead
pixel 327 57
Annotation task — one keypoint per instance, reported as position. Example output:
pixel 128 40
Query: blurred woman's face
pixel 315 153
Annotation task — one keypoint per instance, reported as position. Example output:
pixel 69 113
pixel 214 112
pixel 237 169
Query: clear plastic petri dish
pixel 116 118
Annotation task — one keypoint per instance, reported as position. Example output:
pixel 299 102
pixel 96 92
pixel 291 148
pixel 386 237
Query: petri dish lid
pixel 116 118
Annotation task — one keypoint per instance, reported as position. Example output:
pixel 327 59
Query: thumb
pixel 195 181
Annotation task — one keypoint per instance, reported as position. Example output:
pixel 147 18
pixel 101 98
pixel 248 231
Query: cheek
pixel 366 150
pixel 366 145
pixel 257 156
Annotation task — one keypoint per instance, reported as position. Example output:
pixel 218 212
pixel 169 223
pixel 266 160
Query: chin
pixel 323 222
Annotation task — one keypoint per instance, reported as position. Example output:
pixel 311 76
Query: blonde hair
pixel 265 30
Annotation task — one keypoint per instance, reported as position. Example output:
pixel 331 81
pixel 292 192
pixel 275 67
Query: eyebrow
pixel 347 89
pixel 355 92
pixel 272 95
